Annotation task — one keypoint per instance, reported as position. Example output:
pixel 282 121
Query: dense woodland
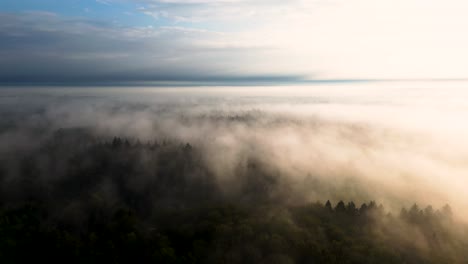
pixel 78 199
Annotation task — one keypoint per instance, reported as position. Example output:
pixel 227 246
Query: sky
pixel 231 40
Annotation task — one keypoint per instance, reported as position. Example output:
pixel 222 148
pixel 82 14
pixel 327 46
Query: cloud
pixel 45 46
pixel 342 143
pixel 357 39
pixel 104 2
pixel 342 39
pixel 226 11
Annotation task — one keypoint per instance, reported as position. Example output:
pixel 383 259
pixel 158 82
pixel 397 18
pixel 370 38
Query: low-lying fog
pixel 396 143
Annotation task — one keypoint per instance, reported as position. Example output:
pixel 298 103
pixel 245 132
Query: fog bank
pixel 398 143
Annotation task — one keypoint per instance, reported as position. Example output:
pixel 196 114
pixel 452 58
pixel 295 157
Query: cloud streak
pixel 202 40
pixel 48 47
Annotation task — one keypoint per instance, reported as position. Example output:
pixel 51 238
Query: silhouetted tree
pixel 340 207
pixel 363 209
pixel 351 208
pixel 447 211
pixel 121 201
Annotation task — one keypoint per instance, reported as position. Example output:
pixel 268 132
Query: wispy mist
pixel 398 143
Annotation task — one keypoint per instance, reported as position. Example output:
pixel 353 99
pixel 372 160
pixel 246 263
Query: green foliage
pixel 234 234
pixel 78 200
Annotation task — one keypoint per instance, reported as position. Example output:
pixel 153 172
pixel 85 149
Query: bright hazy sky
pixel 232 40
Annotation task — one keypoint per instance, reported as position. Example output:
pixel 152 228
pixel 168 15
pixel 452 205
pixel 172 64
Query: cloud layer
pixel 43 46
pixel 201 40
pixel 366 143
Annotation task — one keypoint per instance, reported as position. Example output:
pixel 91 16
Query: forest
pixel 78 198
pixel 233 131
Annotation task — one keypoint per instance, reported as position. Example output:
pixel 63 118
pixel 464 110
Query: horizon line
pixel 230 82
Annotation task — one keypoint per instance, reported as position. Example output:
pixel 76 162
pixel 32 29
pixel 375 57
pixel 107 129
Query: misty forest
pixel 96 180
pixel 234 131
